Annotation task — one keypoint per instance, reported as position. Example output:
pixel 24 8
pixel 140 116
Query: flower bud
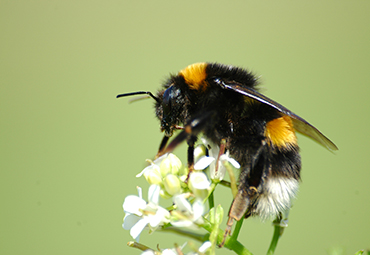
pixel 172 184
pixel 199 152
pixel 153 177
pixel 199 184
pixel 164 194
pixel 170 165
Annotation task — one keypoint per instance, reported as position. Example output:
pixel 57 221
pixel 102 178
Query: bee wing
pixel 300 125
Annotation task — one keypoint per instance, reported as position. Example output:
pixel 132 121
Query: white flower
pixel 170 165
pixel 198 180
pixel 166 251
pixel 139 213
pixel 163 252
pixel 187 214
pixel 199 184
pixel 172 184
pixel 203 162
pixel 219 175
pixel 199 151
pixel 179 250
pixel 148 252
pixel 152 173
pixel 210 161
pixel 169 252
pixel 159 169
pixel 205 246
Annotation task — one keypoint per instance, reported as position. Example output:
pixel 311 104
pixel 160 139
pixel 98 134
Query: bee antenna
pixel 139 93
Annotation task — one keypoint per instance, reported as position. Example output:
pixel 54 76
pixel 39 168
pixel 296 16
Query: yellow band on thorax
pixel 195 76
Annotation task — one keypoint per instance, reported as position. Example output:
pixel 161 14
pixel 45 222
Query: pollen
pixel 280 132
pixel 195 76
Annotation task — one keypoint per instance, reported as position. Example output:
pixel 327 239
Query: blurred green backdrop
pixel 70 150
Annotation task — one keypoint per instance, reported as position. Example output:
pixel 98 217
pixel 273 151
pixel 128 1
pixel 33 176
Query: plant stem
pixel 234 188
pixel 225 183
pixel 138 246
pixel 211 200
pixel 192 235
pixel 274 241
pixel 230 242
pixel 238 226
pixel 278 232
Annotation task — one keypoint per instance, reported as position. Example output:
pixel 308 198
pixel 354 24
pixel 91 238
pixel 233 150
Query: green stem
pixel 230 242
pixel 138 246
pixel 225 183
pixel 234 188
pixel 238 226
pixel 278 232
pixel 274 241
pixel 211 200
pixel 198 237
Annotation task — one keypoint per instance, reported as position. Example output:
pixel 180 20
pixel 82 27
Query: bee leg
pixel 221 152
pixel 247 195
pixel 191 142
pixel 239 207
pixel 181 137
pixel 189 133
pixel 162 146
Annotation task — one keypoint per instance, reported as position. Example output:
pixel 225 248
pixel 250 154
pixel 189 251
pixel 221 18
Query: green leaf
pixel 360 252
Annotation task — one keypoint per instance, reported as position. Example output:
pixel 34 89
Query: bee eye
pixel 167 98
pixel 170 96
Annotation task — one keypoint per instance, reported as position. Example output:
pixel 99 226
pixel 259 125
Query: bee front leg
pixel 189 133
pixel 191 141
pixel 162 146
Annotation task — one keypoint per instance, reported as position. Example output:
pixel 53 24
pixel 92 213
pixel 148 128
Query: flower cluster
pixel 178 250
pixel 169 179
pixel 167 172
pixel 140 213
pixel 216 173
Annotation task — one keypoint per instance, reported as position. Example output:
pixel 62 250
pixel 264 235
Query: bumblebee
pixel 223 103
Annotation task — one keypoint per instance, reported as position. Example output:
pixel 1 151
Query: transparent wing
pixel 300 125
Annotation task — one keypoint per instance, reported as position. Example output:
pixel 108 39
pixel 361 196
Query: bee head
pixel 170 109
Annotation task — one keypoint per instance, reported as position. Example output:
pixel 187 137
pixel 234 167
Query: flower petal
pixel 203 162
pixel 199 151
pixel 153 194
pixel 139 191
pixel 205 246
pixel 148 252
pixel 132 204
pixel 172 184
pixel 183 224
pixel 159 160
pixel 161 216
pixel 138 228
pixel 233 162
pixel 170 165
pixel 142 172
pixel 198 180
pixel 169 252
pixel 198 209
pixel 182 204
pixel 130 220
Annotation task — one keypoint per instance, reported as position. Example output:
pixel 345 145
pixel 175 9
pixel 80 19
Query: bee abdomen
pixel 276 197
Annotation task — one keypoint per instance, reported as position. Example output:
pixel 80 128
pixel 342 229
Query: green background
pixel 70 150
